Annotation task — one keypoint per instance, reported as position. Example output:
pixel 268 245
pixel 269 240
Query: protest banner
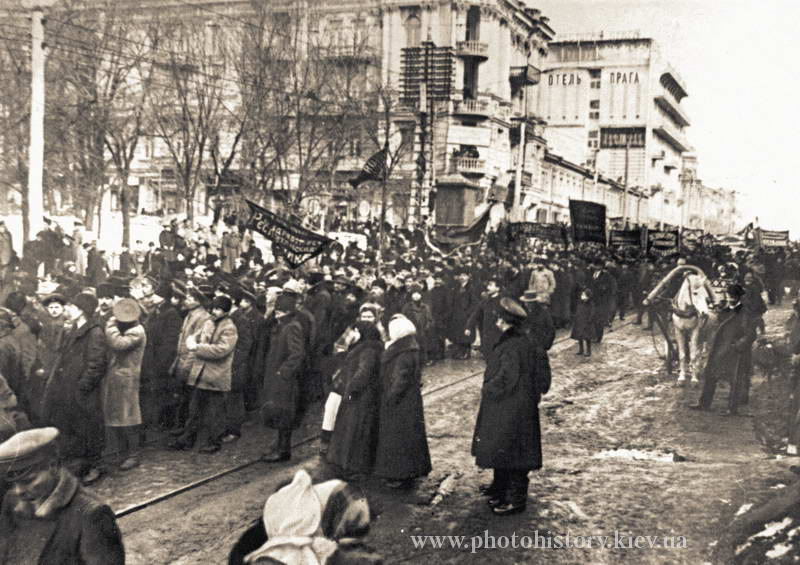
pixel 588 221
pixel 291 240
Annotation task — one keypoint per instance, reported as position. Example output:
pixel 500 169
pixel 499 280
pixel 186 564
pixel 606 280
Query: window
pixel 594 73
pixel 413 27
pixel 593 134
pixel 594 115
pixel 594 104
pixel 594 84
pixel 407 138
pixel 593 144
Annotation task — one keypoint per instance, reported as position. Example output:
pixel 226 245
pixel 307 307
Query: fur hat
pixel 16 301
pixel 55 297
pixel 105 290
pixel 224 303
pixel 285 302
pixel 86 302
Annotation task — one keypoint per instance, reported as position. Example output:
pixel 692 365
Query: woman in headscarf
pixel 354 436
pixel 402 452
pixel 307 524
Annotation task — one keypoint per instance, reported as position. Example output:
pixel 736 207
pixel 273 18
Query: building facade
pixel 485 103
pixel 613 102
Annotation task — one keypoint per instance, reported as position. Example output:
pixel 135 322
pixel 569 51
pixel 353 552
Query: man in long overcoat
pixel 507 435
pixel 462 303
pixel 484 317
pixel 245 317
pixel 734 335
pixel 282 375
pixel 72 397
pixel 159 392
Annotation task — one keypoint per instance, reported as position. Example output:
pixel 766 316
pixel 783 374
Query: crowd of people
pixel 191 335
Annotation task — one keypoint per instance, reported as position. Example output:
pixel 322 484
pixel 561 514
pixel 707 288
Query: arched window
pixel 413 28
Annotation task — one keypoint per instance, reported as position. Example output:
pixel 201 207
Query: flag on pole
pixel 374 169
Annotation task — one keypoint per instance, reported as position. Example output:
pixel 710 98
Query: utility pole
pixel 625 186
pixel 36 149
pixel 382 232
pixel 520 159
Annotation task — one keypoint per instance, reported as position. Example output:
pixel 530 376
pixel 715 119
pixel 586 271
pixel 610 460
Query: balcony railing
pixel 477 49
pixel 525 75
pixel 470 166
pixel 470 107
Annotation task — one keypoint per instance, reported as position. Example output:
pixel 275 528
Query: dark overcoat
pixel 420 315
pixel 246 322
pixel 507 433
pixel 355 434
pixel 540 325
pixel 283 371
pixel 463 302
pixel 319 304
pixel 734 335
pixel 583 325
pixel 81 530
pixel 163 328
pixel 72 395
pixel 402 450
pixel 484 317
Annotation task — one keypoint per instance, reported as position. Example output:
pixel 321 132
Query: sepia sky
pixel 740 60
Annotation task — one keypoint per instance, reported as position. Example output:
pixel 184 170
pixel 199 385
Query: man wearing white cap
pixel 47 516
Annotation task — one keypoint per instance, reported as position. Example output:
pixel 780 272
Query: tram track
pixel 138 507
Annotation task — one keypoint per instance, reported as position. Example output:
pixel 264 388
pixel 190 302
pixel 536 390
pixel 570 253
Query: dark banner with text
pixel 769 238
pixel 663 242
pixel 618 239
pixel 548 232
pixel 588 221
pixel 290 240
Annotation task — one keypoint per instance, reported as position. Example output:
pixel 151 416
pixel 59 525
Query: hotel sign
pixel 619 138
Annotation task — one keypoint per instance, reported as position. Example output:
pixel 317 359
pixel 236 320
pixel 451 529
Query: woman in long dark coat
pixel 507 434
pixel 354 436
pixel 402 452
pixel 583 326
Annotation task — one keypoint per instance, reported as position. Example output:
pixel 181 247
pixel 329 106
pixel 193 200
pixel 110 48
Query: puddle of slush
pixel 635 455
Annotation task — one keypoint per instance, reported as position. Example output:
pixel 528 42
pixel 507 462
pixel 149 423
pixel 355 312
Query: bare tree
pixel 191 96
pixel 14 121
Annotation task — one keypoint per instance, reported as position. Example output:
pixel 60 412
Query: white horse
pixel 690 314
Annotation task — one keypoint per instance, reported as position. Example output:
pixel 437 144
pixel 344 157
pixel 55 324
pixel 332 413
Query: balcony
pixel 470 166
pixel 534 128
pixel 525 75
pixel 672 136
pixel 673 109
pixel 354 53
pixel 472 108
pixel 473 49
pixel 526 177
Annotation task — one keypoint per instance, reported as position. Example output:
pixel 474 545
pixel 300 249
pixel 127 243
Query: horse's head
pixel 693 292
